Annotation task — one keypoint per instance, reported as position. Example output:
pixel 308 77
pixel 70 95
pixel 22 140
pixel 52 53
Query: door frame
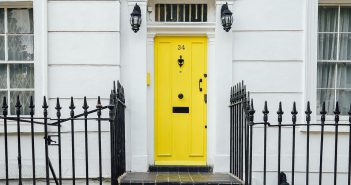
pixel 193 30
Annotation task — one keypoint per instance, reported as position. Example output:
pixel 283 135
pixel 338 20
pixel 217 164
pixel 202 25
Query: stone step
pixel 180 169
pixel 181 178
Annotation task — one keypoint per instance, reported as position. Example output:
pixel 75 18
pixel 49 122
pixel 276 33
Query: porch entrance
pixel 180 100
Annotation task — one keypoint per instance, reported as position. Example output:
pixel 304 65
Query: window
pixel 334 58
pixel 181 13
pixel 16 57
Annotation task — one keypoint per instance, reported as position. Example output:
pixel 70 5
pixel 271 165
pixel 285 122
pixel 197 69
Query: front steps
pixel 178 175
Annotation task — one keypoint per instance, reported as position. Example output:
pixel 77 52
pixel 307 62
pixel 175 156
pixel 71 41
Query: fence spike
pixel 265 112
pixel 31 106
pixel 251 112
pixel 280 112
pixel 323 113
pixel 58 107
pixel 98 105
pixel 280 109
pixel 294 111
pixel 71 106
pixel 18 103
pixel 308 112
pixel 4 106
pixel 114 86
pixel 85 104
pixel 45 105
pixel 337 110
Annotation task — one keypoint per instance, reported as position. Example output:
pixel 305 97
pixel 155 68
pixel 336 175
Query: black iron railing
pixel 52 129
pixel 244 129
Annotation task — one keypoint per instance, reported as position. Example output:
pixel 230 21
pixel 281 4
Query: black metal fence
pixel 244 129
pixel 53 138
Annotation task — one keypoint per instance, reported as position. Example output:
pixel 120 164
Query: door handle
pixel 200 88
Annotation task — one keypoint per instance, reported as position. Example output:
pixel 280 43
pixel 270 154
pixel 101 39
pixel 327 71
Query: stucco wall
pixel 269 49
pixel 83 59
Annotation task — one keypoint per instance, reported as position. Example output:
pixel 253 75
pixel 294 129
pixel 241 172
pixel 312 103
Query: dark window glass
pixel 162 13
pixel 181 13
pixel 2 20
pixel 187 13
pixel 204 13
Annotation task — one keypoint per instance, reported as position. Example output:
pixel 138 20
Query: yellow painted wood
pixel 180 138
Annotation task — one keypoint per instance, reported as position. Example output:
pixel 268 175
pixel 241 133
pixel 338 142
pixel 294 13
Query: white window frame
pixel 339 5
pixel 7 62
pixel 311 54
pixel 40 54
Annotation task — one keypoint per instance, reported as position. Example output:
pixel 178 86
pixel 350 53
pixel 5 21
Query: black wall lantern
pixel 135 18
pixel 227 17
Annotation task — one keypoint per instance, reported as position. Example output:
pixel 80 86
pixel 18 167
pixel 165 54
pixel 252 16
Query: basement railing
pixel 53 137
pixel 249 145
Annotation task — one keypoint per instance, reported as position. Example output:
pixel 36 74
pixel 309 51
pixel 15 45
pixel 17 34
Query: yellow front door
pixel 180 100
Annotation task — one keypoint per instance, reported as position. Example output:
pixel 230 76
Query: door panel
pixel 180 109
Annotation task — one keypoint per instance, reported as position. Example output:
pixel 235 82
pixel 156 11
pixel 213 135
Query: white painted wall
pixel 273 54
pixel 77 54
pixel 82 46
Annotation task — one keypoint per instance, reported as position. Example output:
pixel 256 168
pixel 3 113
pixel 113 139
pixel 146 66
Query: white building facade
pixel 79 47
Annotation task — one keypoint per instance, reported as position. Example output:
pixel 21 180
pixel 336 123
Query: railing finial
pixel 308 112
pixel 280 113
pixel 85 104
pixel 4 105
pixel 265 112
pixel 337 112
pixel 58 107
pixel 45 106
pixel 31 106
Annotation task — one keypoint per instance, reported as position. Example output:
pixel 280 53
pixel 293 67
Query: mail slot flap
pixel 180 109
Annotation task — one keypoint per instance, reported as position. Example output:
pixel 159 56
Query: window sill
pixel 345 128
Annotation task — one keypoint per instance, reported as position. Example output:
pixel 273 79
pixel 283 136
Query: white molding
pixel 181 28
pixel 178 30
pixel 311 55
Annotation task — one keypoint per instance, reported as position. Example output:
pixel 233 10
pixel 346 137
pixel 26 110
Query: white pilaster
pixel 221 75
pixel 134 70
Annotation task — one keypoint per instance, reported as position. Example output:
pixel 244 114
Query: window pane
pixel 22 75
pixel 344 75
pixel 345 46
pixel 3 76
pixel 2 48
pixel 345 19
pixel 326 75
pixel 327 96
pixel 2 20
pixel 344 98
pixel 327 46
pixel 24 97
pixel 181 13
pixel 328 19
pixel 20 20
pixel 21 47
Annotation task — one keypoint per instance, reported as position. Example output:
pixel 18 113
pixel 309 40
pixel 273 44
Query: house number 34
pixel 181 47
